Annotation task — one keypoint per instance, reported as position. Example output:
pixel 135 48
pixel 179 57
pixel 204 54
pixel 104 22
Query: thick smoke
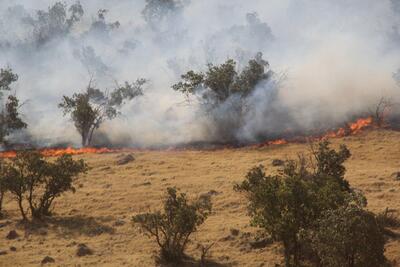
pixel 332 60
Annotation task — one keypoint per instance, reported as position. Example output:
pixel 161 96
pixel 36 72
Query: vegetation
pixel 381 111
pixel 349 236
pixel 10 119
pixel 312 198
pixel 89 109
pixel 101 25
pixel 157 11
pixel 222 81
pixel 222 92
pixel 172 229
pixel 57 21
pixel 31 178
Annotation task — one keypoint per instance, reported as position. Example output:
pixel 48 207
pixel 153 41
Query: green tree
pixel 172 229
pixel 290 203
pixel 222 92
pixel 101 25
pixel 10 119
pixel 29 177
pixel 57 21
pixel 220 82
pixel 349 237
pixel 157 11
pixel 89 109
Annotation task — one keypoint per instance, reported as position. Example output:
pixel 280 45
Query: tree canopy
pixel 10 119
pixel 156 11
pixel 220 82
pixel 89 109
pixel 57 21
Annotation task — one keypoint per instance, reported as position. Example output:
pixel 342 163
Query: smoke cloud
pixel 332 60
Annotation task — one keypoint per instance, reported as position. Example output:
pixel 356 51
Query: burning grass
pixel 349 129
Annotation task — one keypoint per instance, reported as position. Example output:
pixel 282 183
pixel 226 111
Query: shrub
pixel 29 177
pixel 172 229
pixel 289 204
pixel 349 237
pixel 388 218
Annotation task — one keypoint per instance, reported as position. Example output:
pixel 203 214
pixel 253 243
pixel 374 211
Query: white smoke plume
pixel 335 59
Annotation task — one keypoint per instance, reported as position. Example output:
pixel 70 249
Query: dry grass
pixel 99 213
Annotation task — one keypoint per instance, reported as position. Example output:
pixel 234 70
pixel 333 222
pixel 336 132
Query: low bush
pixel 29 177
pixel 349 237
pixel 292 205
pixel 173 227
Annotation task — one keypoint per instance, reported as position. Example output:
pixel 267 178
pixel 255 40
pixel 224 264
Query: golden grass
pixel 109 195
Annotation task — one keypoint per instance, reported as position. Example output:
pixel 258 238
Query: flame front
pixel 351 129
pixel 54 152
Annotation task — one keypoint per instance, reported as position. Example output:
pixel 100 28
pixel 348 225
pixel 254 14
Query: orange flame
pixel 351 129
pixel 277 142
pixel 54 152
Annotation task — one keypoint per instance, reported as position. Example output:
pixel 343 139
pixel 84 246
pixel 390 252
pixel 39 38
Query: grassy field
pixel 99 213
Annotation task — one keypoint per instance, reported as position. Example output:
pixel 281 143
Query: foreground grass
pixel 99 213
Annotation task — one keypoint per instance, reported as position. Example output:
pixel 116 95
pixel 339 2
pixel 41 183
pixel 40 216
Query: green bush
pixel 172 229
pixel 288 205
pixel 349 237
pixel 29 177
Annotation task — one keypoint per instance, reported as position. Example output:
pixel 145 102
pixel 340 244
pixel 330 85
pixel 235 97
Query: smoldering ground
pixel 332 60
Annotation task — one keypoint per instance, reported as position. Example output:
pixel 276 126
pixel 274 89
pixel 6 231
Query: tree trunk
pixel 296 251
pixel 91 135
pixel 85 135
pixel 22 209
pixel 286 253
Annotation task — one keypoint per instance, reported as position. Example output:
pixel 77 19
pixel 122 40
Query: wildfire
pixel 350 129
pixel 277 142
pixel 54 152
pixel 360 124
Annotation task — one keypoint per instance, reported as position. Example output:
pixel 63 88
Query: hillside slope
pixel 99 213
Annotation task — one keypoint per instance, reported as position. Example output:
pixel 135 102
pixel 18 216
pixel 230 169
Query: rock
pixel 277 162
pixel 227 238
pixel 48 259
pixel 73 243
pixel 396 176
pixel 210 194
pixel 105 168
pixel 12 235
pixel 125 159
pixel 234 232
pixel 13 248
pixel 5 224
pixel 3 252
pixel 83 250
pixel 262 243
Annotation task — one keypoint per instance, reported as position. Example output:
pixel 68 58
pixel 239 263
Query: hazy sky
pixel 338 58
